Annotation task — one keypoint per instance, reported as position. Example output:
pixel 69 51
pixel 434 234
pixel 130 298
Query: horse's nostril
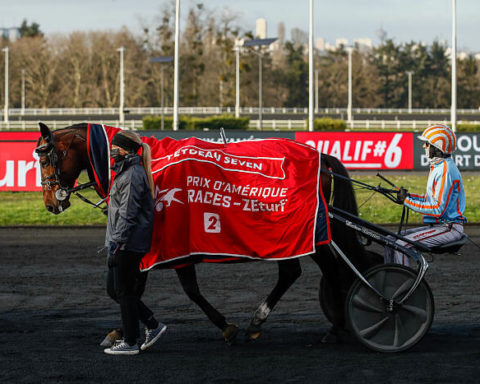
pixel 50 208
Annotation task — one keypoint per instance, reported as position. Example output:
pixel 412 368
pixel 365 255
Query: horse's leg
pixel 336 279
pixel 188 278
pixel 288 272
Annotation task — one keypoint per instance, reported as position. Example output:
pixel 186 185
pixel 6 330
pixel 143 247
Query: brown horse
pixel 63 155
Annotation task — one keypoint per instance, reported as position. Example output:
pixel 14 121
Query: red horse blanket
pixel 257 199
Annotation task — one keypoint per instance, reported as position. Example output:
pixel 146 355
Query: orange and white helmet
pixel 440 136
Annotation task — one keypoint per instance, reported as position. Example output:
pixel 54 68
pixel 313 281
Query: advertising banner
pixel 19 168
pixel 466 156
pixel 364 150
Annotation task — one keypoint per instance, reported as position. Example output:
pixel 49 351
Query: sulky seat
pixel 452 247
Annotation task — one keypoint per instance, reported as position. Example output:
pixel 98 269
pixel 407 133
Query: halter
pixel 48 150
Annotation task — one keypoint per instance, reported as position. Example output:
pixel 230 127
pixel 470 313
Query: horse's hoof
pixel 110 339
pixel 253 332
pixel 333 336
pixel 230 333
pixel 330 338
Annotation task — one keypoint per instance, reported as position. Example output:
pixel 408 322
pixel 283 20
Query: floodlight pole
pixel 260 92
pixel 316 90
pixel 5 113
pixel 237 79
pixel 220 93
pixel 121 115
pixel 260 88
pixel 176 74
pixel 162 60
pixel 349 106
pixel 23 91
pixel 162 100
pixel 310 69
pixel 409 73
pixel 259 43
pixel 453 113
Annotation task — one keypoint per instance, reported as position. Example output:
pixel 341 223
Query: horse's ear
pixel 45 131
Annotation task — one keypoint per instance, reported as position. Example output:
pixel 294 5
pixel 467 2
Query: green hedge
pixel 154 123
pixel 466 127
pixel 329 124
pixel 196 123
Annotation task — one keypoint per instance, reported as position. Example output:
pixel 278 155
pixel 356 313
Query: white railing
pixel 54 124
pixel 397 124
pixel 279 125
pixel 228 110
pixel 275 125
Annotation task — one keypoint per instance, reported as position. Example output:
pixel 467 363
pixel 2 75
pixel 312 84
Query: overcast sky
pixel 403 20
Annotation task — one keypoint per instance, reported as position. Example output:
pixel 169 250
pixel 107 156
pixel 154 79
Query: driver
pixel 443 204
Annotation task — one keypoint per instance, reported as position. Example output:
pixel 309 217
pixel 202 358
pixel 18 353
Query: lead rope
pixel 84 199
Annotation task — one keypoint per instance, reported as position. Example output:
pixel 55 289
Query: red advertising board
pixel 364 150
pixel 19 168
pixel 19 136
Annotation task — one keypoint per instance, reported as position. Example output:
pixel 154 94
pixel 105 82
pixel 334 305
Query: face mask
pixel 116 156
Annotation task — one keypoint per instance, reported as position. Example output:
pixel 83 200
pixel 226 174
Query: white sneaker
pixel 122 348
pixel 152 335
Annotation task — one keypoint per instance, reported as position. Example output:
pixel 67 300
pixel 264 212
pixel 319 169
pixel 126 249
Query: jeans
pixel 126 284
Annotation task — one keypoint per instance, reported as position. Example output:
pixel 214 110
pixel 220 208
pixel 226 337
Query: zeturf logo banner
pixel 19 167
pixel 364 150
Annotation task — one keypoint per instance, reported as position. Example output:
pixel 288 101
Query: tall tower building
pixel 261 30
pixel 320 44
pixel 281 33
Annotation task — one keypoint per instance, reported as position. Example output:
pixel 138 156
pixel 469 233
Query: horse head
pixel 60 165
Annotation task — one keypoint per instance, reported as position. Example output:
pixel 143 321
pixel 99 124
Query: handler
pixel 443 205
pixel 128 238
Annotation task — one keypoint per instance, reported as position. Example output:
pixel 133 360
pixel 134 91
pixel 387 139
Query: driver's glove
pixel 401 195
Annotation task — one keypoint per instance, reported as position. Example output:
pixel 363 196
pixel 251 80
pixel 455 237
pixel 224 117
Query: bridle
pixel 48 150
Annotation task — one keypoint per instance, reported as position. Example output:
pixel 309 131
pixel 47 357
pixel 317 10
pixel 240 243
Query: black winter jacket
pixel 130 210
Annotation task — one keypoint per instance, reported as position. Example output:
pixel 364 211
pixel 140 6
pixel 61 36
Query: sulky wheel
pixel 385 328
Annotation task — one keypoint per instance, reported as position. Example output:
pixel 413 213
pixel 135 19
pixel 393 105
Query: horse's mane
pixel 70 127
pixel 65 130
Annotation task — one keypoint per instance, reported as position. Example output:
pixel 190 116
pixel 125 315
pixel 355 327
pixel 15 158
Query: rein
pixel 388 193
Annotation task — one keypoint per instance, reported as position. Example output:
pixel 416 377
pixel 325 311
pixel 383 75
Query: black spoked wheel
pixel 385 328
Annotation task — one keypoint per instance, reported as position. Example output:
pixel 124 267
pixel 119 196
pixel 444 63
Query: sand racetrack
pixel 54 312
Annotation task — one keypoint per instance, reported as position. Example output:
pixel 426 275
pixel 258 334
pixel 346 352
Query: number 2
pixel 211 222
